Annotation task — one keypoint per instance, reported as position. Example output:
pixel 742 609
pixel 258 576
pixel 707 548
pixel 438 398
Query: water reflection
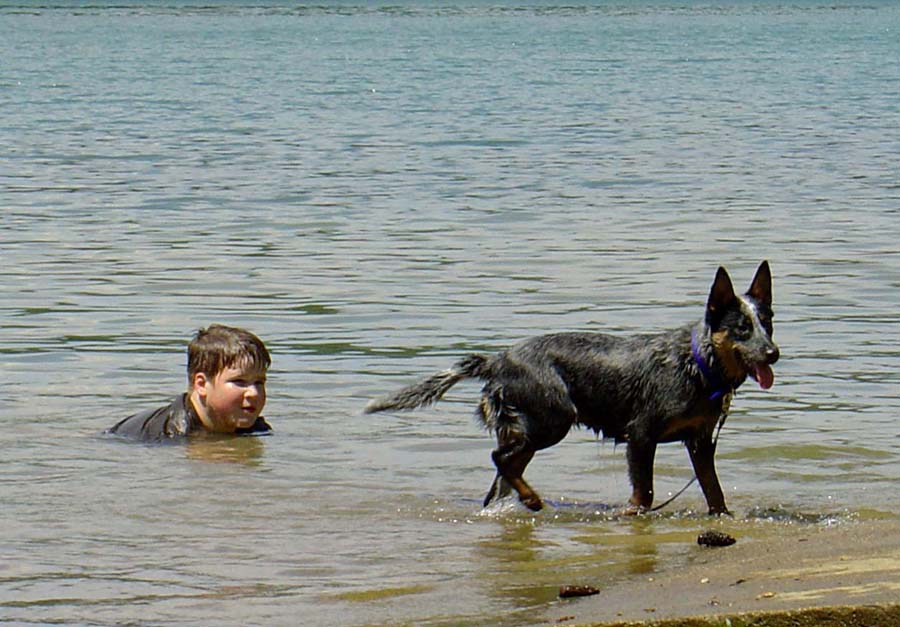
pixel 514 569
pixel 643 549
pixel 247 451
pixel 526 561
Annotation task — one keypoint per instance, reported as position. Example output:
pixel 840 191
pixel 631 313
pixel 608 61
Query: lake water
pixel 376 190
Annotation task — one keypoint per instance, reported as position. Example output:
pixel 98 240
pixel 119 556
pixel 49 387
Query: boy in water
pixel 226 390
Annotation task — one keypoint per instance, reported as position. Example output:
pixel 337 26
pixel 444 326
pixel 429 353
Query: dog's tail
pixel 430 390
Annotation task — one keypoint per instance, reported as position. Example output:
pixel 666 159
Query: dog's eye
pixel 744 329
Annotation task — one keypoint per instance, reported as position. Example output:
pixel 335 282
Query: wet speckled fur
pixel 641 389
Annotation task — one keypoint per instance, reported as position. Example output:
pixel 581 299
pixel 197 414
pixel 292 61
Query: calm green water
pixel 375 190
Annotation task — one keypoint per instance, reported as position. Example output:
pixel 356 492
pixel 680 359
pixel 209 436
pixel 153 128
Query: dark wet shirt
pixel 177 419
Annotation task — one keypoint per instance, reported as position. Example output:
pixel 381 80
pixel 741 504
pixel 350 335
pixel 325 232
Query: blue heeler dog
pixel 639 389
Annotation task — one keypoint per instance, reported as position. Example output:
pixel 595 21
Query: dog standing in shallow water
pixel 640 389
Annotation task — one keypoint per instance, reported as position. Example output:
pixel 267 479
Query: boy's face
pixel 232 399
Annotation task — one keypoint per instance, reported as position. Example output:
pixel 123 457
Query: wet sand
pixel 847 574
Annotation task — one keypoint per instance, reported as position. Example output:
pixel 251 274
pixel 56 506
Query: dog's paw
pixel 532 502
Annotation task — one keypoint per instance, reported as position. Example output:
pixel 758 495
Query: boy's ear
pixel 199 383
pixel 761 287
pixel 721 296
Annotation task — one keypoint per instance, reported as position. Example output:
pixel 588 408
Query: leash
pixel 674 496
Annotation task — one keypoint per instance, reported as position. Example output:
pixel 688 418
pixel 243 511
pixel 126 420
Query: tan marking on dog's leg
pixel 511 458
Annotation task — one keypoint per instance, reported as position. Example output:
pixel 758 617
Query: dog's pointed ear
pixel 721 296
pixel 761 287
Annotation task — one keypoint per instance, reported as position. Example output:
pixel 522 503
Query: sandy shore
pixel 846 575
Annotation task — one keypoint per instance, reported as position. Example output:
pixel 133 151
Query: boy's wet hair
pixel 218 347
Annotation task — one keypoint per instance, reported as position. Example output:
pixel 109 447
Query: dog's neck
pixel 719 385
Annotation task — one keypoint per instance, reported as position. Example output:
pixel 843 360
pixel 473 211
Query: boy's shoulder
pixel 170 421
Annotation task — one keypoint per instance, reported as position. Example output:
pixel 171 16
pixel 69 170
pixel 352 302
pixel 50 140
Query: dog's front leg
pixel 702 452
pixel 640 457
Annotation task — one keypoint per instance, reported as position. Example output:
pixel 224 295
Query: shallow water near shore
pixel 376 191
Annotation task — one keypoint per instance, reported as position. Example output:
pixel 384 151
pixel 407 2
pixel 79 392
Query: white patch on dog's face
pixel 749 309
pixel 755 346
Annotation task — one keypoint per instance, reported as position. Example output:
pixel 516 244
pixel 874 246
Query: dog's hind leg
pixel 511 457
pixel 499 489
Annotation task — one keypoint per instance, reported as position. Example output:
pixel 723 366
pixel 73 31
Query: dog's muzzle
pixel 762 371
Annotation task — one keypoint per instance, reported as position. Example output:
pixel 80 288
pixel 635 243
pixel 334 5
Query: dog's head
pixel 741 327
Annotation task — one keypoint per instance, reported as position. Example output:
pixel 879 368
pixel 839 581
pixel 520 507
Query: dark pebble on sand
pixel 715 538
pixel 566 592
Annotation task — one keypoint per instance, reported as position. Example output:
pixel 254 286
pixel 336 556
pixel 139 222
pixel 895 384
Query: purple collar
pixel 720 388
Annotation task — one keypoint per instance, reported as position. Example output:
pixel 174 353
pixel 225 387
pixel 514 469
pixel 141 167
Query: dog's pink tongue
pixel 764 376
